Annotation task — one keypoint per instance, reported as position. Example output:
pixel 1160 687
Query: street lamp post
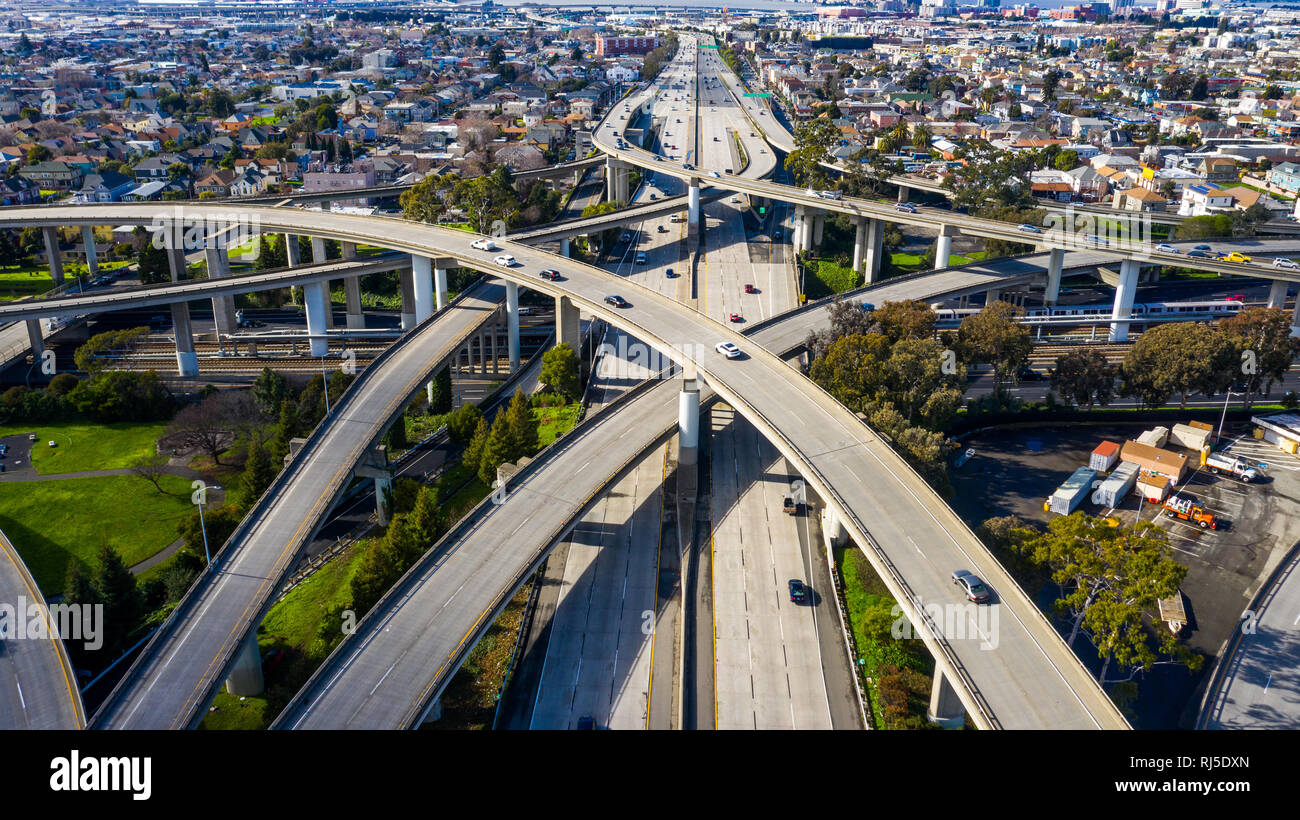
pixel 203 526
pixel 1228 395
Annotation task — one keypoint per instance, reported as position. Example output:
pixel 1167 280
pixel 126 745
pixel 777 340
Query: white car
pixel 728 349
pixel 483 245
pixel 1165 247
pixel 1027 228
pixel 1283 262
pixel 505 260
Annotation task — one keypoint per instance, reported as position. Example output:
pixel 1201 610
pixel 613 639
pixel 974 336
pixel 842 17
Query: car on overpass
pixel 549 273
pixel 905 207
pixel 736 317
pixel 798 592
pixel 617 301
pixel 972 586
pixel 483 245
pixel 1283 262
pixel 505 260
pixel 1165 247
pixel 1234 256
pixel 749 288
pixel 728 349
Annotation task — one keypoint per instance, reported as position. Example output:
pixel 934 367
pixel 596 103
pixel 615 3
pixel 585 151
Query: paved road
pixel 38 689
pixel 1031 679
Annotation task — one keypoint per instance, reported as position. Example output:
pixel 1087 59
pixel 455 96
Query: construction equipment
pixel 1188 510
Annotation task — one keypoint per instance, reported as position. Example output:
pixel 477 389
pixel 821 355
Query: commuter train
pixel 1211 308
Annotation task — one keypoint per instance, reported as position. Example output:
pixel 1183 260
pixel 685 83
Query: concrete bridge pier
pixel 223 307
pixel 868 246
pixel 688 423
pixel 833 528
pixel 356 316
pixel 293 259
pixel 374 464
pixel 1124 293
pixel 819 224
pixel 245 677
pixel 52 254
pixel 1055 261
pixel 187 361
pixel 422 286
pixel 564 246
pixel 1277 293
pixel 320 256
pixel 567 324
pixel 946 708
pixel 88 239
pixel 316 301
pixel 407 280
pixel 440 286
pixel 943 247
pixel 36 339
pixel 512 323
pixel 903 193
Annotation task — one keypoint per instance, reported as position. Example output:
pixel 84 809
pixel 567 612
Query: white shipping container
pixel 1193 438
pixel 1114 489
pixel 1155 437
pixel 1070 494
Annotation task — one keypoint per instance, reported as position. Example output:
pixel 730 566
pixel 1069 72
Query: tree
pixel 473 454
pixel 269 390
pixel 496 450
pixel 79 590
pixel 1180 357
pixel 1084 377
pixel 152 265
pixel 92 356
pixel 1051 79
pixel 907 319
pixel 1110 577
pixel 560 371
pixel 123 604
pixel 219 522
pixel 1066 160
pixel 38 153
pixel 853 369
pixel 441 402
pixel 523 427
pixel 1261 339
pixel 212 424
pixel 913 376
pixel 813 143
pixel 462 423
pixel 151 467
pixel 993 337
pixel 258 472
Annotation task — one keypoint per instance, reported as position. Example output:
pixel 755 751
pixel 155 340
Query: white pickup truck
pixel 1236 465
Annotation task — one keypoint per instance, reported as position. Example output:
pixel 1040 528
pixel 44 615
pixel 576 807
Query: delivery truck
pixel 1232 465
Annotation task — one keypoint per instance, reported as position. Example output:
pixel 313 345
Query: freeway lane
pixel 185 662
pixel 38 689
pixel 1030 680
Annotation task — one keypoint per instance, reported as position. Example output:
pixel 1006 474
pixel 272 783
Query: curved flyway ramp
pixel 38 689
pixel 913 539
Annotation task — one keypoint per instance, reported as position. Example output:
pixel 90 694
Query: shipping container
pixel 1193 438
pixel 1105 456
pixel 1155 437
pixel 1113 490
pixel 1070 494
pixel 1154 460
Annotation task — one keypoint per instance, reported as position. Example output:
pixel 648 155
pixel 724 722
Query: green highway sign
pixel 758 94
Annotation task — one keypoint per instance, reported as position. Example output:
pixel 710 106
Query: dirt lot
pixel 1014 470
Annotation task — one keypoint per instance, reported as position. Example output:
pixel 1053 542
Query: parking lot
pixel 1014 470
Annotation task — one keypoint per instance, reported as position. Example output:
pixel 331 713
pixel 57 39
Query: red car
pixel 1237 297
pixel 735 317
pixel 750 289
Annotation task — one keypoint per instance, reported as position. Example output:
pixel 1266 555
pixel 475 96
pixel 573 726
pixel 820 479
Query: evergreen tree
pixel 441 402
pixel 258 471
pixel 473 455
pixel 523 427
pixel 123 604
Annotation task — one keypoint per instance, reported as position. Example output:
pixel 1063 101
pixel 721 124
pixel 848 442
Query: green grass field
pixel 553 421
pixel 823 278
pixel 51 522
pixel 83 446
pixel 27 279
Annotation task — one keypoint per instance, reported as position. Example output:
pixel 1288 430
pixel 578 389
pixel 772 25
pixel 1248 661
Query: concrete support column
pixel 819 223
pixel 223 307
pixel 512 323
pixel 88 239
pixel 564 246
pixel 187 361
pixel 291 255
pixel 903 193
pixel 688 423
pixel 492 349
pixel 693 203
pixel 1055 259
pixel 942 249
pixel 945 707
pixel 36 339
pixel 1295 312
pixel 567 325
pixel 863 226
pixel 1277 293
pixel 352 293
pixel 422 286
pixel 245 677
pixel 316 301
pixel 383 491
pixel 992 295
pixel 52 254
pixel 1124 292
pixel 348 250
pixel 320 256
pixel 440 287
pixel 407 280
pixel 611 185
